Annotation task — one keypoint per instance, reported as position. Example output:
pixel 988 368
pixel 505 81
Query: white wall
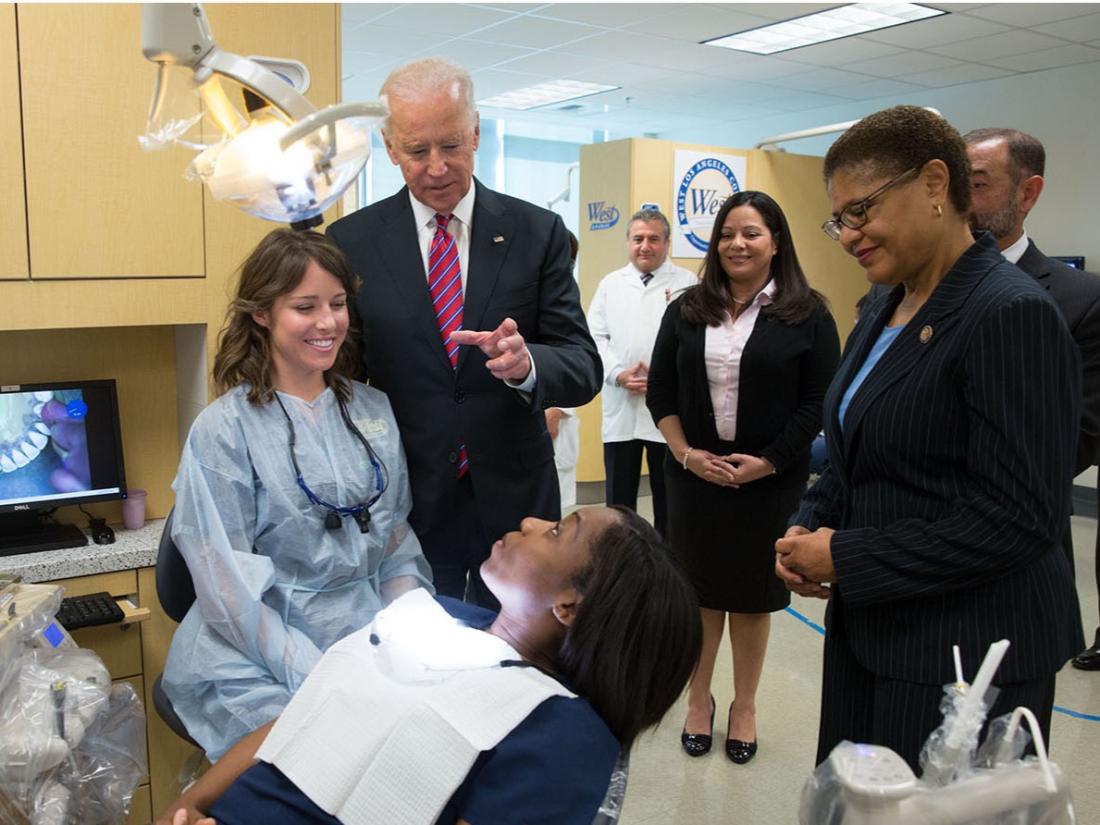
pixel 1061 107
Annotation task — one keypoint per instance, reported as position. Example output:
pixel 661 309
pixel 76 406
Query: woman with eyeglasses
pixel 951 428
pixel 292 497
pixel 736 383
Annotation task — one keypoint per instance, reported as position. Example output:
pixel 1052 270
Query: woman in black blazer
pixel 951 427
pixel 736 384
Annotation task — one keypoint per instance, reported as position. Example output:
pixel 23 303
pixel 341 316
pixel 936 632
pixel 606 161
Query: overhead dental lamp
pixel 263 146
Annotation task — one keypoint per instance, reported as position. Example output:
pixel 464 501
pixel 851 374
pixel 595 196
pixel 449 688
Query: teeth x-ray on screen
pixel 43 444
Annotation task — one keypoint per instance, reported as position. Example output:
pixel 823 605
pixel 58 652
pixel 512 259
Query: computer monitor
pixel 60 443
pixel 1076 261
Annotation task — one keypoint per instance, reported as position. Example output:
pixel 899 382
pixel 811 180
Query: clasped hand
pixel 634 380
pixel 731 470
pixel 804 561
pixel 509 359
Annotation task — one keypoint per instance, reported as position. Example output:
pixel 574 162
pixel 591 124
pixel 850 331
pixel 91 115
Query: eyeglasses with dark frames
pixel 854 216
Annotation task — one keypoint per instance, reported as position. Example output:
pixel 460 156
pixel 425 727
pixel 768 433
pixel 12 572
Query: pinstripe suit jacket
pixel 950 482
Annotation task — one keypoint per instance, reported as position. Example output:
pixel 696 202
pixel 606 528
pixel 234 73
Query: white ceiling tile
pixel 793 101
pixel 884 87
pixel 353 13
pixel 1079 29
pixel 623 73
pixel 388 40
pixel 1005 44
pixel 555 64
pixel 777 11
pixel 617 45
pixel 823 79
pixel 720 95
pixel 840 52
pixel 362 62
pixel 1068 55
pixel 953 7
pixel 473 55
pixel 455 19
pixel 608 15
pixel 696 22
pixel 954 75
pixel 1031 14
pixel 901 63
pixel 492 82
pixel 936 31
pixel 539 33
pixel 357 89
pixel 750 67
pixel 518 8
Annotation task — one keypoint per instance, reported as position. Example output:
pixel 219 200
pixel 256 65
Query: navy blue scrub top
pixel 553 769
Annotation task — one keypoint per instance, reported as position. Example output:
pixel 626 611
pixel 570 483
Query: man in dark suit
pixel 1007 180
pixel 471 323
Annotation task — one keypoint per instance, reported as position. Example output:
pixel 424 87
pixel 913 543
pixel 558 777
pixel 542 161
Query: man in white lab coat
pixel 623 319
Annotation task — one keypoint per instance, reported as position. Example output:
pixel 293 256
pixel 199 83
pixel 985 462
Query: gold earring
pixel 939 210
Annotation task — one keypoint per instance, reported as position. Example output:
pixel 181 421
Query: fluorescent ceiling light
pixel 823 26
pixel 543 94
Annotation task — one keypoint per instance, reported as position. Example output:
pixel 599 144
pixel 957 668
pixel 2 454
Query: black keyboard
pixel 90 610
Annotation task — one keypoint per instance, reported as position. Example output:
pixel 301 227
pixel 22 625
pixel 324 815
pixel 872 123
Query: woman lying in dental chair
pixel 419 719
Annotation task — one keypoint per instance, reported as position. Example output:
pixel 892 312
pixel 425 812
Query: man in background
pixel 625 315
pixel 1007 179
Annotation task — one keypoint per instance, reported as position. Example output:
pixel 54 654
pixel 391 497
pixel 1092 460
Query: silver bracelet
pixel 687 452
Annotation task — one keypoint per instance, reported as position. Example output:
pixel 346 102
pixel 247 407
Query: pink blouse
pixel 724 346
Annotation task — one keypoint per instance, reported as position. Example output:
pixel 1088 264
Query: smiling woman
pixel 292 497
pixel 951 427
pixel 597 634
pixel 736 382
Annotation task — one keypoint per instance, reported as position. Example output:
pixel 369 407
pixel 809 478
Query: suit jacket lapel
pixel 919 337
pixel 401 254
pixel 492 235
pixel 1035 264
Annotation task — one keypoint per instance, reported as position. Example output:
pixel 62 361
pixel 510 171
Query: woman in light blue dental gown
pixel 275 584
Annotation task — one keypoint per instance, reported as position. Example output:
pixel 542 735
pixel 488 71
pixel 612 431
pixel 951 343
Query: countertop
pixel 132 549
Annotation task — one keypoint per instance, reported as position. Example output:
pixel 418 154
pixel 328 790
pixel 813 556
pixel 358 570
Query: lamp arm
pixel 328 117
pixel 179 34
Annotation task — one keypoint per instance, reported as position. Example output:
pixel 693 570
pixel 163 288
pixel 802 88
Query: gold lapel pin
pixel 925 334
pixel 498 239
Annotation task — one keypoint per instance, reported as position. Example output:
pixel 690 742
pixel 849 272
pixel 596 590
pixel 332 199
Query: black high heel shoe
pixel 698 744
pixel 738 750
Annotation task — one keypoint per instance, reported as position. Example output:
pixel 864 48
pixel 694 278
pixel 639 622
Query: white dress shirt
pixel 1017 250
pixel 624 318
pixel 725 345
pixel 460 226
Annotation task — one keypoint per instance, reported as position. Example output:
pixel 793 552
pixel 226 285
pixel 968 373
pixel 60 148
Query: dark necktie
pixel 646 278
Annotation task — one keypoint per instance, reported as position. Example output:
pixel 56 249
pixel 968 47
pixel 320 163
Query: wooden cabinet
pixel 13 228
pixel 136 653
pixel 98 205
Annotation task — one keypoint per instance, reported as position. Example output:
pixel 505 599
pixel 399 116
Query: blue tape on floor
pixel 1075 714
pixel 807 621
pixel 1091 717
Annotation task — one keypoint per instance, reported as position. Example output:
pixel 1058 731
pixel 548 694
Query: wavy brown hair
pixel 276 267
pixel 795 300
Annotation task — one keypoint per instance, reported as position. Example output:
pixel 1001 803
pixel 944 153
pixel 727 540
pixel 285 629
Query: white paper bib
pixel 387 726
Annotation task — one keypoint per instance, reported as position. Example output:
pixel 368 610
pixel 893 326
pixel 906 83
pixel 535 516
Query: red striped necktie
pixel 445 286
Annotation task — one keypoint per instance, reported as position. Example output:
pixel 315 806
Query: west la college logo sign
pixel 602 215
pixel 701 183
